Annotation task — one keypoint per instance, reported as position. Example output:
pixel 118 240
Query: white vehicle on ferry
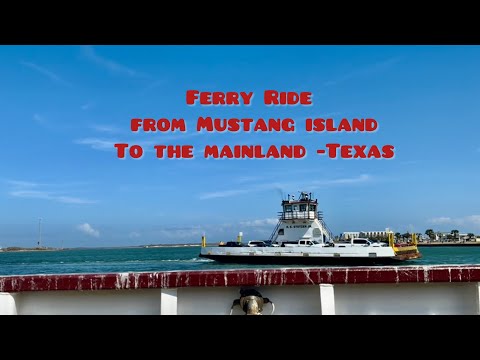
pixel 302 237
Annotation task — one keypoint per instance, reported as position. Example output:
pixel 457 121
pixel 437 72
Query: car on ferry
pixel 231 244
pixel 356 242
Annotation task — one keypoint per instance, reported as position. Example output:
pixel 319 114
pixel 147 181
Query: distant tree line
pixel 454 234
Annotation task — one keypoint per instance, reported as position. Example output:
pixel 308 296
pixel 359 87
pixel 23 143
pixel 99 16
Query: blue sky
pixel 63 108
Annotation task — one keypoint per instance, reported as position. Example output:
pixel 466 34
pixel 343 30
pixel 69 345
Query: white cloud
pixel 86 106
pixel 32 190
pixel 50 74
pixel 363 178
pixel 222 194
pixel 112 66
pixel 441 220
pixel 355 180
pixel 38 118
pixel 245 179
pixel 87 229
pixel 134 235
pixel 108 144
pixel 465 221
pixel 19 183
pixel 105 128
pixel 187 234
pixel 153 86
pixel 35 194
pixel 366 71
pixel 260 222
pixel 98 144
pixel 474 219
pixel 42 121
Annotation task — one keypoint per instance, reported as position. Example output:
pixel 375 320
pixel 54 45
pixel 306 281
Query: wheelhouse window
pixel 311 207
pixel 303 207
pixel 288 208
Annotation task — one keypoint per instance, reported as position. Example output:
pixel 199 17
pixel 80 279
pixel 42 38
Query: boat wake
pixel 195 259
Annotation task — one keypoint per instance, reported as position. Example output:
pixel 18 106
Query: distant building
pixel 350 235
pixel 442 236
pixel 355 234
pixel 445 235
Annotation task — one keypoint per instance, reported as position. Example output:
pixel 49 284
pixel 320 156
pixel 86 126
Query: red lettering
pixel 344 125
pixel 306 98
pixel 388 151
pixel 191 96
pixel 246 97
pixel 160 125
pixel 211 151
pixel 136 151
pixel 299 151
pixel 255 151
pixel 232 98
pixel 220 125
pixel 309 125
pixel 260 125
pixel 160 149
pixel 358 124
pixel 218 98
pixel 292 98
pixel 371 125
pixel 320 125
pixel 346 151
pixel 272 97
pixel 288 125
pixel 234 125
pixel 187 151
pixel 226 152
pixel 359 151
pixel 246 124
pixel 175 151
pixel 272 152
pixel 332 150
pixel 120 150
pixel 205 98
pixel 149 125
pixel 374 152
pixel 179 124
pixel 205 123
pixel 135 124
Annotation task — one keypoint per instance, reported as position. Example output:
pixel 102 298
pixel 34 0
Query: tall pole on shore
pixel 39 231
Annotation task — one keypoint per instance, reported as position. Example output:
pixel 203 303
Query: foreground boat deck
pixel 335 290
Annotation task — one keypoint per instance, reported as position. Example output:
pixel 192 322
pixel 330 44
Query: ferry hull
pixel 305 260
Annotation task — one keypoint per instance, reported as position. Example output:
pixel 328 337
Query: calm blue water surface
pixel 171 259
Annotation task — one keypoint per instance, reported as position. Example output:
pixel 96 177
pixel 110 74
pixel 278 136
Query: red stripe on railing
pixel 250 277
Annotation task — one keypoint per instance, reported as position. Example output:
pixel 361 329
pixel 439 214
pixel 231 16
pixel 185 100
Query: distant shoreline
pixel 22 249
pixel 449 243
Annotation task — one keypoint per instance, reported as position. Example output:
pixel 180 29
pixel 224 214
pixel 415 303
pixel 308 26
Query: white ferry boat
pixel 302 237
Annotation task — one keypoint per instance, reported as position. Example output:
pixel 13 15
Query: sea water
pixel 113 260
